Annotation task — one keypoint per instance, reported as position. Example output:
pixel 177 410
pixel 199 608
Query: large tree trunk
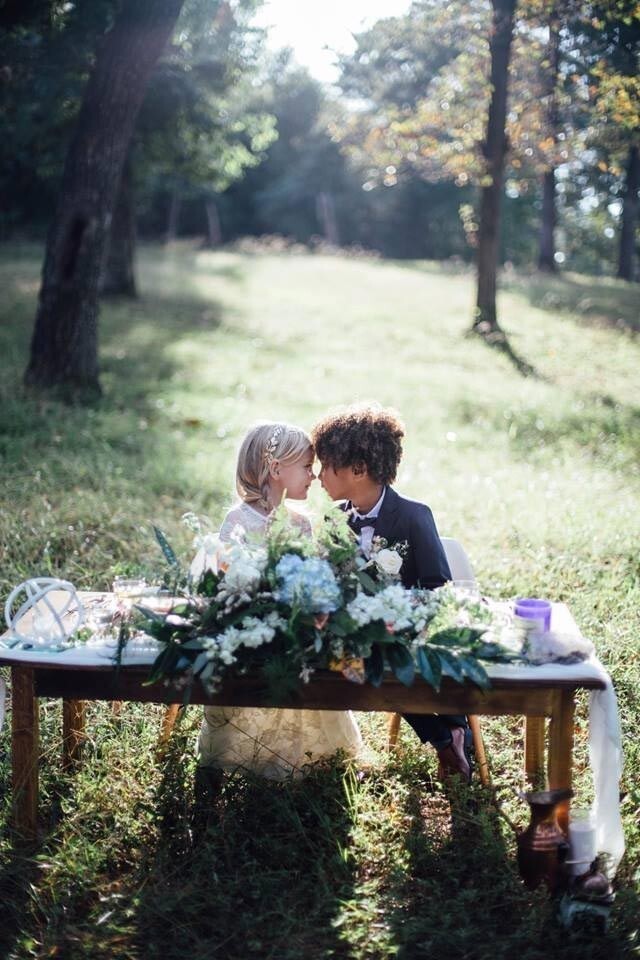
pixel 629 216
pixel 494 148
pixel 118 277
pixel 174 216
pixel 64 347
pixel 546 256
pixel 214 230
pixel 547 253
pixel 326 213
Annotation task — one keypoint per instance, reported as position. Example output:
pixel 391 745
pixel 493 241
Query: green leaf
pixel 374 666
pixel 450 665
pixel 475 671
pixel 153 616
pixel 341 624
pixel 368 583
pixel 456 636
pixel 169 555
pixel 429 666
pixel 201 660
pixel 402 663
pixel 208 584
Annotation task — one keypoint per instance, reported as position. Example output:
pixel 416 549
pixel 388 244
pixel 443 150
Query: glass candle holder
pixel 538 612
pixel 126 588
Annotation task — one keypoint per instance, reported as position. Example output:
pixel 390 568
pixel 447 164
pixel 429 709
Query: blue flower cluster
pixel 309 584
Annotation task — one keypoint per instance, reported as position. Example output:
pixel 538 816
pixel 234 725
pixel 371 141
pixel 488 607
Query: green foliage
pixel 537 477
pixel 166 548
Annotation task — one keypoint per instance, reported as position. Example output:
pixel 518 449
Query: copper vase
pixel 543 847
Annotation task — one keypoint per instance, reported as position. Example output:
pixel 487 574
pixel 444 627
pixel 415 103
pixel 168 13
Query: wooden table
pixel 535 699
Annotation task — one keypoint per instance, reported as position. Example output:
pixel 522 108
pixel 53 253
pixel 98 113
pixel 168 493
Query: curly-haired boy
pixel 359 449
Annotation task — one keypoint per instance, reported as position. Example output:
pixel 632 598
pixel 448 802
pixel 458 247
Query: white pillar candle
pixel 582 841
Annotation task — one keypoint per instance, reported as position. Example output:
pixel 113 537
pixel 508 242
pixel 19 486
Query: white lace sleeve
pixel 244 517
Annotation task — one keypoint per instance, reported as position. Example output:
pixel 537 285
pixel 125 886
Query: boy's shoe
pixel 455 759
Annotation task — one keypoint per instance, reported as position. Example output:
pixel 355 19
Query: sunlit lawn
pixel 539 478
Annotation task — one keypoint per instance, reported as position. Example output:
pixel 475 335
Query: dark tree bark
pixel 546 256
pixel 64 347
pixel 174 216
pixel 214 230
pixel 626 266
pixel 326 213
pixel 494 150
pixel 118 277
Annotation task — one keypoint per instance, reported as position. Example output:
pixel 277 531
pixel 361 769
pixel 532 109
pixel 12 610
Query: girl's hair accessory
pixel 272 444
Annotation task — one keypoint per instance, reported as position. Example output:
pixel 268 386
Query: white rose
pixel 242 575
pixel 389 561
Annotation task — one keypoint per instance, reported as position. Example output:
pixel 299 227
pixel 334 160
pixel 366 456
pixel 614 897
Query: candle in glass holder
pixel 582 841
pixel 534 610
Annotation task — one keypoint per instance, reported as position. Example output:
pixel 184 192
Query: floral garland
pixel 289 605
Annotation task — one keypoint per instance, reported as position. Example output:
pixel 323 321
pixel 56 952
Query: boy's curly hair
pixel 361 436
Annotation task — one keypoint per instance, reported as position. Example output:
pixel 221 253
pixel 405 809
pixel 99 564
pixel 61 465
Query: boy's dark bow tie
pixel 357 523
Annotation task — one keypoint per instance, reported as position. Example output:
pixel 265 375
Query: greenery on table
pixel 537 477
pixel 286 604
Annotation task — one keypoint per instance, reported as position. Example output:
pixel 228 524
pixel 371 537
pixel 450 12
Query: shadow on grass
pixel 264 880
pixel 498 340
pixel 19 876
pixel 460 895
pixel 597 424
pixel 595 301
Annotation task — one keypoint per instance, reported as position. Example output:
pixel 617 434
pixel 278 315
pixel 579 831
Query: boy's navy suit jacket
pixel 425 564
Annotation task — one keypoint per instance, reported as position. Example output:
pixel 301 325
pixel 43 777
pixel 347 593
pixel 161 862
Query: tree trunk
pixel 546 256
pixel 118 277
pixel 174 216
pixel 626 267
pixel 494 148
pixel 326 213
pixel 64 346
pixel 214 230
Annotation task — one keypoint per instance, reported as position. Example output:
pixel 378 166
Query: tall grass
pixel 537 476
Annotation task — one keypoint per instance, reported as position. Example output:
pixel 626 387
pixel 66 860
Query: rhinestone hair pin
pixel 270 448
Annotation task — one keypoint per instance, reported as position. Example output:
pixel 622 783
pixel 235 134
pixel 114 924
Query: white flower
pixel 388 561
pixel 244 569
pixel 207 556
pixel 392 605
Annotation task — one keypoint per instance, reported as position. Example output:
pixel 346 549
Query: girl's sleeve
pixel 229 524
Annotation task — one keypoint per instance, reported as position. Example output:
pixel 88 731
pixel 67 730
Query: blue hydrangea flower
pixel 309 584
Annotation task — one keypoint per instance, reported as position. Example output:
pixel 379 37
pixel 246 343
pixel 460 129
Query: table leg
pixel 24 750
pixel 394 729
pixel 534 750
pixel 168 723
pixel 561 749
pixel 72 732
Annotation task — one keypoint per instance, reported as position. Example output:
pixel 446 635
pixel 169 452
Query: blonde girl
pixel 275 461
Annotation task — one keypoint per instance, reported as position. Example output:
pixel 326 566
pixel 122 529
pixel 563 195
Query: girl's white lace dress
pixel 272 742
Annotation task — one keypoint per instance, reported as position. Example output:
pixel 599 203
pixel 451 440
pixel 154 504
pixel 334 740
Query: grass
pixel 539 477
